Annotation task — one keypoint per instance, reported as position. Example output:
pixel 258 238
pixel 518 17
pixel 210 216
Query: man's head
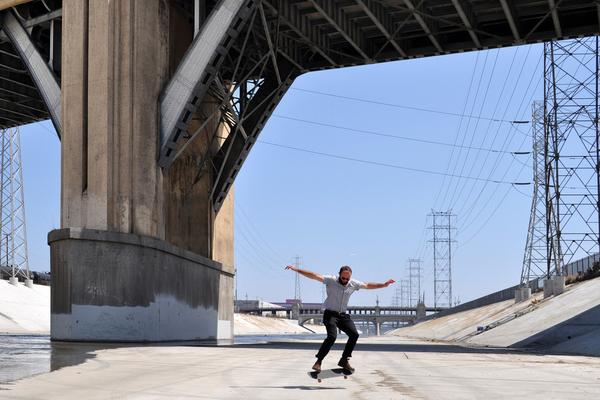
pixel 345 274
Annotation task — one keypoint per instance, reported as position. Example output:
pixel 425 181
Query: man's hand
pixel 292 268
pixel 378 285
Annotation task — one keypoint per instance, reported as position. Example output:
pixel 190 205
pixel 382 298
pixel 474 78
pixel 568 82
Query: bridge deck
pixel 321 34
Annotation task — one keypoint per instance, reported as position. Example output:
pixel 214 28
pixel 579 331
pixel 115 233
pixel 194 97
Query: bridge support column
pixel 421 311
pixel 140 255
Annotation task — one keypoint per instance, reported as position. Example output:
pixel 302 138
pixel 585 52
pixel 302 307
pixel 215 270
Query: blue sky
pixel 364 200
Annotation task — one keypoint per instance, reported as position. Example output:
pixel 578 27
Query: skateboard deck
pixel 329 373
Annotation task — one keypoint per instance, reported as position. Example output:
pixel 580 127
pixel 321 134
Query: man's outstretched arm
pixel 308 274
pixel 371 285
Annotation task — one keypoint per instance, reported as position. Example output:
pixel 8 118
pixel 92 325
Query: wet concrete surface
pixel 22 356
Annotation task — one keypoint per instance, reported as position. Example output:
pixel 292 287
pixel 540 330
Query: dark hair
pixel 345 268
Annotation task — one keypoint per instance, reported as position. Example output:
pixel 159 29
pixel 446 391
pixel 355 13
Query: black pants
pixel 332 321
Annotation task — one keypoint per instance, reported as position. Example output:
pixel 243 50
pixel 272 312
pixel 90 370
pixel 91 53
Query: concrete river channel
pixel 22 356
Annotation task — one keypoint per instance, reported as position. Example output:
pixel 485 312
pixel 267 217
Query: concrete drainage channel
pixel 502 321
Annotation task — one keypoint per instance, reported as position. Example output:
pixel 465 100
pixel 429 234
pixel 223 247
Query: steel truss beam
pixel 244 133
pixel 423 24
pixel 301 26
pixel 555 19
pixel 30 23
pixel 198 68
pixel 41 73
pixel 343 24
pixel 464 12
pixel 252 76
pixel 510 14
pixel 382 20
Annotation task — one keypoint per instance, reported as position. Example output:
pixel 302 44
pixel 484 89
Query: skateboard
pixel 329 373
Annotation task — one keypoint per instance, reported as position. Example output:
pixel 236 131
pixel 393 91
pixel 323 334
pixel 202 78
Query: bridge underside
pixel 257 48
pixel 161 102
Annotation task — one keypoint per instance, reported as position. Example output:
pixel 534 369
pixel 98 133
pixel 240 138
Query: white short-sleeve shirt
pixel 338 294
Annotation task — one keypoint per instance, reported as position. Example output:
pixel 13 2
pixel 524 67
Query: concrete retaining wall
pixel 496 297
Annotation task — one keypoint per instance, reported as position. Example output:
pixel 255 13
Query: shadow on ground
pixel 576 326
pixel 297 387
pixel 393 347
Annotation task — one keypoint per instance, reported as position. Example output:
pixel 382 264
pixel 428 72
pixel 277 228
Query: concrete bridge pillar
pixel 421 310
pixel 140 255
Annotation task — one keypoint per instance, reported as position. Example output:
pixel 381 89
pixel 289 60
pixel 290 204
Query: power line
pixel 238 207
pixel 457 131
pixel 387 135
pixel 381 164
pixel 464 136
pixel 494 168
pixel 465 218
pixel 259 256
pixel 260 250
pixel 487 131
pixel 507 141
pixel 413 108
pixel 489 83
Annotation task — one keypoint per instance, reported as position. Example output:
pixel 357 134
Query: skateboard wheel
pixel 319 380
pixel 345 377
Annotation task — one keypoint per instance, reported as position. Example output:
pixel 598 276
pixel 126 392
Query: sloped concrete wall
pixel 24 310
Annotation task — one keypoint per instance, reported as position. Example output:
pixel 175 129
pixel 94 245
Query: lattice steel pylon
pixel 442 257
pixel 535 256
pixel 297 291
pixel 414 281
pixel 572 155
pixel 404 295
pixel 396 297
pixel 13 248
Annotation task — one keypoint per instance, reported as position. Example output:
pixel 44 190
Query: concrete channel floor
pixel 387 368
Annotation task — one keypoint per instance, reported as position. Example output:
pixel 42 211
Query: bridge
pixel 377 315
pixel 157 104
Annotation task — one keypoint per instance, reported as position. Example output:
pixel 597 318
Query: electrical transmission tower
pixel 535 257
pixel 572 155
pixel 414 280
pixel 404 295
pixel 442 257
pixel 396 297
pixel 13 248
pixel 297 294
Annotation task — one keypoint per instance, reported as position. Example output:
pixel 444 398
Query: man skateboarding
pixel 339 288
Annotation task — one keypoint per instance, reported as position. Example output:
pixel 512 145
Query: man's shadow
pixel 298 387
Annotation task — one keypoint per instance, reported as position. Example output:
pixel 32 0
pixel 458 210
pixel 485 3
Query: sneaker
pixel 317 366
pixel 345 364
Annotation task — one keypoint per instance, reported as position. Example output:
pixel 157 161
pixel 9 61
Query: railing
pixel 352 310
